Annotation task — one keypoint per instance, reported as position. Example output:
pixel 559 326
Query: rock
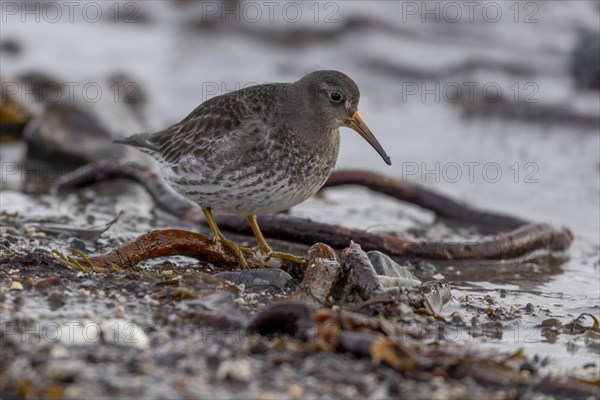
pixel 47 284
pixel 585 60
pixel 77 244
pixel 322 272
pixel 259 279
pixel 424 268
pixel 16 285
pixel 129 92
pixel 56 299
pixel 124 333
pixel 365 279
pixel 391 274
pixel 289 318
pixel 204 283
pixel 436 294
pixel 64 370
pixel 69 135
pixel 217 310
pixel 62 137
pixel 10 46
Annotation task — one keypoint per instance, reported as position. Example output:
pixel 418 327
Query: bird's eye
pixel 335 96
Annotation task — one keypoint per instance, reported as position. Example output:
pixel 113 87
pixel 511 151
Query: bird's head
pixel 332 99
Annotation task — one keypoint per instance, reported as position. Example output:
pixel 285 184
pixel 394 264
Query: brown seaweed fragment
pixel 163 243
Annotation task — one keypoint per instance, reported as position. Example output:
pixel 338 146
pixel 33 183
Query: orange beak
pixel 355 122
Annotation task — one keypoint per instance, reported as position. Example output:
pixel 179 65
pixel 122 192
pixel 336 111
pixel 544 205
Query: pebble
pixel 84 333
pixel 44 285
pixel 425 268
pixel 77 244
pixel 56 299
pixel 64 370
pixel 296 392
pixel 269 395
pixel 16 285
pixel 529 308
pixel 585 60
pixel 58 351
pixel 239 370
pixel 457 317
pixel 119 312
pixel 31 232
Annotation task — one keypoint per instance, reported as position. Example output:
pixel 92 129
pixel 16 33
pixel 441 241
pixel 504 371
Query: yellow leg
pixel 264 247
pixel 236 249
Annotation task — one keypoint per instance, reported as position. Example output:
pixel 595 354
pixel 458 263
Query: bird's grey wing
pixel 198 131
pixel 213 129
pixel 218 126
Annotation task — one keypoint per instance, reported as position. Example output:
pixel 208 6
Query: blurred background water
pixel 493 102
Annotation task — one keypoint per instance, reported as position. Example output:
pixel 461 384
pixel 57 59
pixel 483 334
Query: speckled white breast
pixel 261 188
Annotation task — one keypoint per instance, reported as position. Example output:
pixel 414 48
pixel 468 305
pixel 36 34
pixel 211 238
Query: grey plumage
pixel 258 150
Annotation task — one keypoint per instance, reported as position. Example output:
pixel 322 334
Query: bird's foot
pixel 236 249
pixel 266 251
pixel 287 256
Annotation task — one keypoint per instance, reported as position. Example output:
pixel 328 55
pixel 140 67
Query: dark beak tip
pixel 357 124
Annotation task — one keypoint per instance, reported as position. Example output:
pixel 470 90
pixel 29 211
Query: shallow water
pixel 540 168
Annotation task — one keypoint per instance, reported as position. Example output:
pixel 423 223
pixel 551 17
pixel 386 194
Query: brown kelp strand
pixel 524 239
pixel 164 243
pixel 161 243
pixel 441 205
pixel 112 169
pixel 518 243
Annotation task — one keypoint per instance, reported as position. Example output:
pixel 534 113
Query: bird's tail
pixel 140 140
